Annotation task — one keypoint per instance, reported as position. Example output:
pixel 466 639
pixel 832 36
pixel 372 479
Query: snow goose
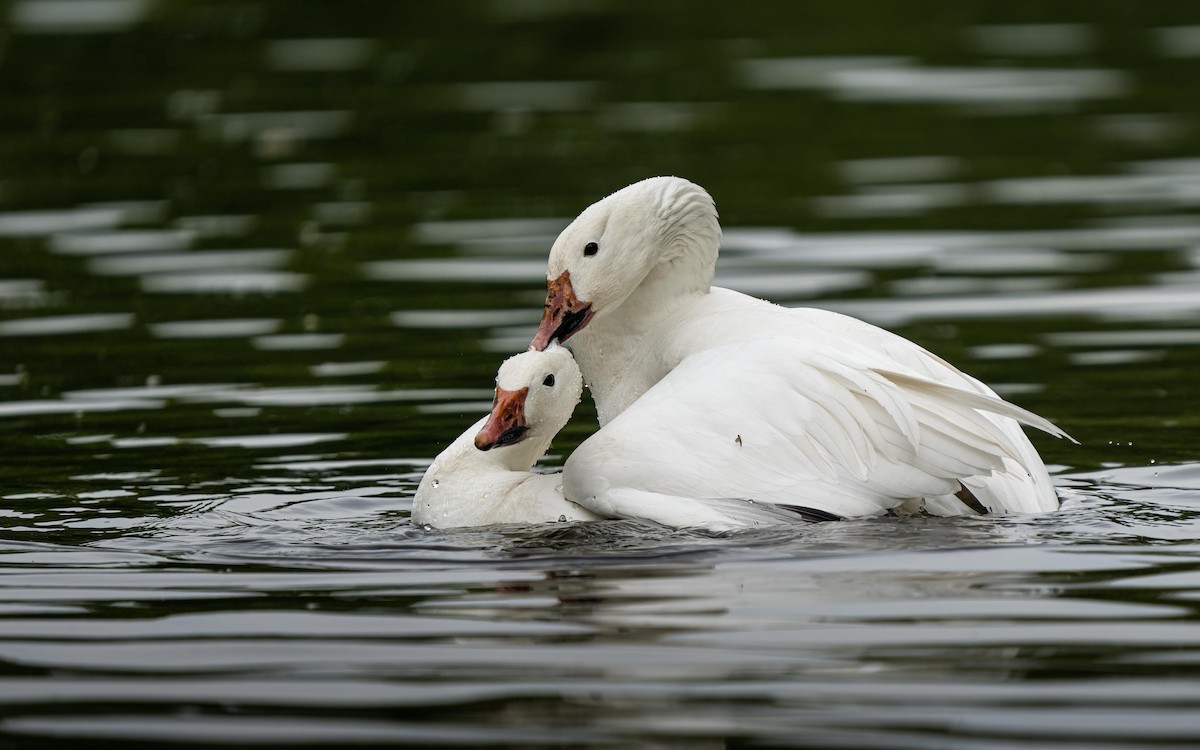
pixel 629 290
pixel 697 449
pixel 484 476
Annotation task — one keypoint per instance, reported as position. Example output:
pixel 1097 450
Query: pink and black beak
pixel 565 314
pixel 506 424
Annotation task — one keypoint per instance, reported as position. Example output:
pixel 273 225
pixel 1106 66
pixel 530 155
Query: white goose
pixel 484 476
pixel 669 457
pixel 783 406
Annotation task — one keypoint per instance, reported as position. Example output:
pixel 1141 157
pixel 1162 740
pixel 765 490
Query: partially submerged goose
pixel 484 476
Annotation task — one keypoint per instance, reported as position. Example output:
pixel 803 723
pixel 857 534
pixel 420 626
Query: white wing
pixel 781 423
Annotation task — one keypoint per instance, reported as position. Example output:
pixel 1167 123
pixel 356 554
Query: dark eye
pixel 548 381
pixel 591 249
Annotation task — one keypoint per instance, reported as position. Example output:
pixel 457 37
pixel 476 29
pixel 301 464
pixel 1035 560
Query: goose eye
pixel 591 249
pixel 548 381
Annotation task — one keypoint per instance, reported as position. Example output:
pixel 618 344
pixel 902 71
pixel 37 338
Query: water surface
pixel 260 261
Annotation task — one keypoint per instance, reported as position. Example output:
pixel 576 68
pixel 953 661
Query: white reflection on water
pixel 464 231
pixel 237 412
pixel 119 476
pixel 1164 190
pixel 192 104
pixel 839 251
pixel 299 341
pixel 1036 89
pixel 61 325
pixel 273 440
pixel 326 465
pixel 921 286
pixel 451 319
pixel 879 248
pixel 347 369
pixel 78 16
pixel 1179 41
pixel 249 395
pixel 1115 357
pixel 1115 303
pixel 899 169
pixel 276 440
pixel 123 241
pixel 491 270
pixel 22 294
pixel 88 439
pixel 1144 129
pixel 335 395
pixel 461 408
pixel 152 391
pixel 1179 278
pixel 1177 166
pixel 230 282
pixel 308 176
pixel 1123 338
pixel 236 127
pixel 135 211
pixel 1155 234
pixel 1005 351
pixel 510 339
pixel 29 408
pixel 810 72
pixel 1163 184
pixel 782 283
pixel 217 225
pixel 320 395
pixel 319 54
pixel 654 117
pixel 893 200
pixel 199 260
pixel 215 329
pixel 1021 260
pixel 342 213
pixel 42 223
pixel 145 442
pixel 898 79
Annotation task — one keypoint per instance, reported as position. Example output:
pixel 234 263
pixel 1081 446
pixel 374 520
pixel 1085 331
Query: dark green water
pixel 260 261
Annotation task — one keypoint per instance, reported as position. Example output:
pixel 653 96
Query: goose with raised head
pixel 629 291
pixel 484 477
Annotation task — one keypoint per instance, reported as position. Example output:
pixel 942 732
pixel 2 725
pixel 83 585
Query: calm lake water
pixel 259 263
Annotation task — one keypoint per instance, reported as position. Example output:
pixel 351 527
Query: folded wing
pixel 772 423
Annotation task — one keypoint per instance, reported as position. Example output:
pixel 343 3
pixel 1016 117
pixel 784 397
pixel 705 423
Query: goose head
pixel 536 392
pixel 660 227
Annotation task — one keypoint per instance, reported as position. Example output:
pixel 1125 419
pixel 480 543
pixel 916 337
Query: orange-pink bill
pixel 506 424
pixel 564 314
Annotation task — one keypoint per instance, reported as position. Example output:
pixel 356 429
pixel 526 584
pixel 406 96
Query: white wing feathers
pixel 980 401
pixel 777 422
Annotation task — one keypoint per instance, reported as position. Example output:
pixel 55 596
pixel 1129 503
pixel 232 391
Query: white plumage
pixel 717 409
pixel 467 486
